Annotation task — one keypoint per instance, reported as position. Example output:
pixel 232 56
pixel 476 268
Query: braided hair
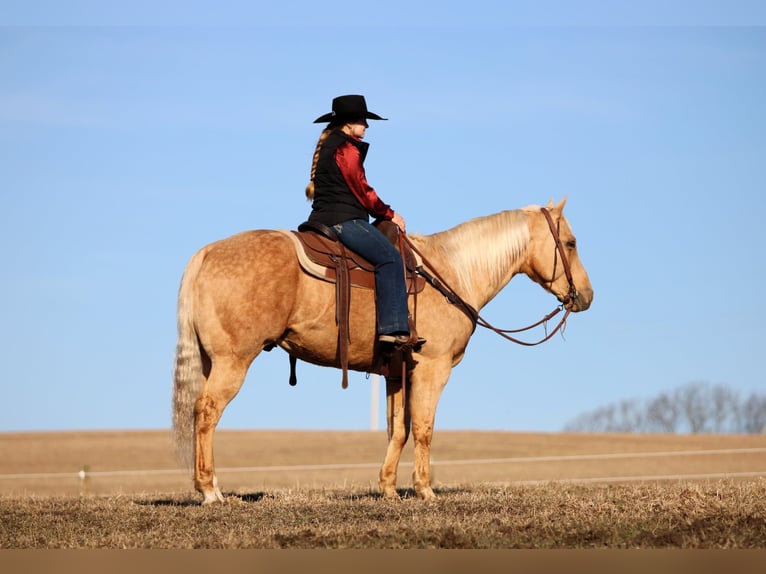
pixel 322 137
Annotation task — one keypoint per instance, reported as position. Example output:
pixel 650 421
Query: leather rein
pixel 436 281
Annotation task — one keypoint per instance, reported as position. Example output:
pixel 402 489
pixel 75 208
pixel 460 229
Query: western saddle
pixel 346 268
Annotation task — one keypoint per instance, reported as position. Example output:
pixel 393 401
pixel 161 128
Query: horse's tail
pixel 187 376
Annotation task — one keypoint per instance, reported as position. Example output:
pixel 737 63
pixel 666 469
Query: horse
pixel 246 293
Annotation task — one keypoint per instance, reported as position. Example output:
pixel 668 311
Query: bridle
pixel 572 293
pixel 436 281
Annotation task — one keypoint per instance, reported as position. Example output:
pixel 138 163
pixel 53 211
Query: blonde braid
pixel 322 138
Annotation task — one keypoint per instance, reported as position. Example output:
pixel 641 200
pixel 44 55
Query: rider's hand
pixel 399 221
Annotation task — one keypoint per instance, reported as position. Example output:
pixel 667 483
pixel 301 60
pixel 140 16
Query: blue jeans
pixel 390 289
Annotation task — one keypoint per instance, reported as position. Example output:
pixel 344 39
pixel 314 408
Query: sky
pixel 128 140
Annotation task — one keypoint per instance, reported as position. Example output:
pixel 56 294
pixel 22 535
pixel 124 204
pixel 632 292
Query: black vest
pixel 333 200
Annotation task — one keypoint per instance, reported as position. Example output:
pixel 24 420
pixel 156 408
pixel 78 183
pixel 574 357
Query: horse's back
pixel 248 246
pixel 262 255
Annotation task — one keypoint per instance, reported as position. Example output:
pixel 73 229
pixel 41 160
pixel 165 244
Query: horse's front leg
pixel 424 393
pixel 398 423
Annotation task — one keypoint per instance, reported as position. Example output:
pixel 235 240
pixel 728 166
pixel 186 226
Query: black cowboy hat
pixel 350 107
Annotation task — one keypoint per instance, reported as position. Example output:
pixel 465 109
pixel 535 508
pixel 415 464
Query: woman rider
pixel 344 201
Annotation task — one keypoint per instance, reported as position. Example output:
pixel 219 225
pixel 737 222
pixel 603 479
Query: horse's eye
pixel 571 244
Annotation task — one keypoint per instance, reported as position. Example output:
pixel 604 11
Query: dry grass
pixel 500 504
pixel 713 515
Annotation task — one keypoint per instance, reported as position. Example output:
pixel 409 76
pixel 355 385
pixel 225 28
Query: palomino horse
pixel 248 292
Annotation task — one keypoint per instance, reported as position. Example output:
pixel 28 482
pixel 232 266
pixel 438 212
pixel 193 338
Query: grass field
pixel 290 489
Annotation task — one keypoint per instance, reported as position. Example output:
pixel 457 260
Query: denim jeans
pixel 390 289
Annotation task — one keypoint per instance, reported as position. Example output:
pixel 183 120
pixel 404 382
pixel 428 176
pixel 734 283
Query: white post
pixel 84 479
pixel 374 408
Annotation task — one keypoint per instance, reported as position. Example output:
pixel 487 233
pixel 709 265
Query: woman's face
pixel 357 128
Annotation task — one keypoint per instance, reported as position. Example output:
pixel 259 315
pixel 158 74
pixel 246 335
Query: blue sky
pixel 124 149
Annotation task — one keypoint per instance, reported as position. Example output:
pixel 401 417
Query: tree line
pixel 697 407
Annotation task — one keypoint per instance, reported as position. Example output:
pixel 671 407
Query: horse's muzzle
pixel 580 301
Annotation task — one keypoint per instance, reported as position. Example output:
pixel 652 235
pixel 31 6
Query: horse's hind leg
pixel 398 431
pixel 222 385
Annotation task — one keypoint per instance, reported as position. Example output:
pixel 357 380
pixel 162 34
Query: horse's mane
pixel 484 248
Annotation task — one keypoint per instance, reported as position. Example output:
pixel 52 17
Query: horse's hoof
pixel 426 493
pixel 389 493
pixel 212 497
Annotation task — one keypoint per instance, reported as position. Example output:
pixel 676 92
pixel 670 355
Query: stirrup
pixel 402 341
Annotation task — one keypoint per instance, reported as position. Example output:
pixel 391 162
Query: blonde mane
pixel 484 248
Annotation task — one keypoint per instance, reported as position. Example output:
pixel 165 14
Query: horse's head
pixel 553 261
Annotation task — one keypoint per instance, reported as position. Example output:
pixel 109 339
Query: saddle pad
pixel 359 277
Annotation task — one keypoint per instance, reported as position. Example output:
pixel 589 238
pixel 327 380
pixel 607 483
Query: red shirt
pixel 350 164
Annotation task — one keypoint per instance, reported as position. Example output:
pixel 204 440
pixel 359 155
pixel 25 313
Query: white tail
pixel 187 377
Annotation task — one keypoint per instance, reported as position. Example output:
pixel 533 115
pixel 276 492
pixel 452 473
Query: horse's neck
pixel 479 257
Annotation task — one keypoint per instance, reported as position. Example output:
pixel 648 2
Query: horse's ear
pixel 560 206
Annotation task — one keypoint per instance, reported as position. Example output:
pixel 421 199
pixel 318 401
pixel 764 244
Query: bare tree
pixel 630 416
pixel 753 414
pixel 694 402
pixel 626 416
pixel 662 414
pixel 725 409
pixel 599 420
pixel 695 407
